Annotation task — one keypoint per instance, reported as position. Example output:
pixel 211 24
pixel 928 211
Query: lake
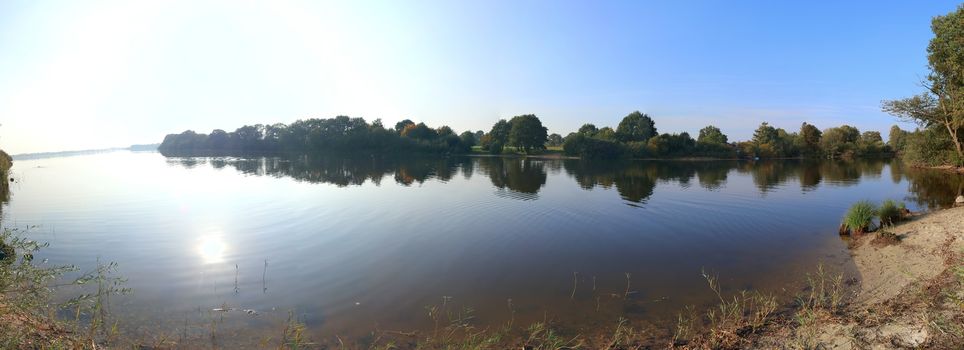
pixel 349 246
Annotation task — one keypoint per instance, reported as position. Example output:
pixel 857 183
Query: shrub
pixel 859 218
pixel 889 212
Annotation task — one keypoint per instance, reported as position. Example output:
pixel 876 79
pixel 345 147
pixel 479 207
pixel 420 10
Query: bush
pixel 889 212
pixel 495 147
pixel 859 218
pixel 929 147
pixel 591 148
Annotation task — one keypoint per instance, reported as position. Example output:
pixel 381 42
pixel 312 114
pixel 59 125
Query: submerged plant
pixel 859 218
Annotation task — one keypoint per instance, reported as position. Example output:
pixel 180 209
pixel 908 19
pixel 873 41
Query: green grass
pixel 859 218
pixel 889 212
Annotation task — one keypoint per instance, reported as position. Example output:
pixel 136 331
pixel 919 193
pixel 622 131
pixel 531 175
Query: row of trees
pixel 636 136
pixel 340 134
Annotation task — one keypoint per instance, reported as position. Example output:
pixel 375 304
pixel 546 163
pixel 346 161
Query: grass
pixel 859 218
pixel 890 212
pixel 28 316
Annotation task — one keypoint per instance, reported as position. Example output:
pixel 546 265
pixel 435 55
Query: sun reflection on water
pixel 212 249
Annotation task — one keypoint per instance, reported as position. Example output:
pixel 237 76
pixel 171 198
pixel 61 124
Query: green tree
pixel 897 138
pixel 500 132
pixel 527 132
pixel 444 130
pixel 588 130
pixel 943 103
pixel 636 127
pixel 809 141
pixel 555 140
pixel 840 141
pixel 607 134
pixel 711 135
pixel 765 134
pixel 468 138
pixel 419 131
pixel 402 124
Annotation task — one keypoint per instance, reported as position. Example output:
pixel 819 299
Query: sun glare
pixel 212 249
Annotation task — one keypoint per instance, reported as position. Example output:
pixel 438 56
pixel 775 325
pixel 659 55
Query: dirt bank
pixel 911 292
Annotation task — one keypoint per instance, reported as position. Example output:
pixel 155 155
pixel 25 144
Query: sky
pixel 96 74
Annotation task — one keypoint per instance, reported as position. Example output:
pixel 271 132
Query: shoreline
pixel 910 292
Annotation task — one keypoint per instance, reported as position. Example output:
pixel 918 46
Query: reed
pixel 859 218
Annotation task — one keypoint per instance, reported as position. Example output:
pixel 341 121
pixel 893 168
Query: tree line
pixel 635 136
pixel 341 134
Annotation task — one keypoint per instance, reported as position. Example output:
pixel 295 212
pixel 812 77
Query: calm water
pixel 351 245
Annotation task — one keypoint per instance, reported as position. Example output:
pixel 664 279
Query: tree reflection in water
pixel 634 181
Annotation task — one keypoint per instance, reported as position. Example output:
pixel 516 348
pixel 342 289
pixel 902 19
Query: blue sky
pixel 79 75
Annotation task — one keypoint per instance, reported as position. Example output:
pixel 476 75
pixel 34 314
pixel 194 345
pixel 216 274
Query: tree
pixel 555 140
pixel 840 141
pixel 711 135
pixel 871 137
pixel 943 103
pixel 444 130
pixel 636 127
pixel 810 138
pixel 589 130
pixel 527 132
pixel 606 133
pixel 402 124
pixel 468 138
pixel 500 132
pixel 419 131
pixel 897 138
pixel 764 134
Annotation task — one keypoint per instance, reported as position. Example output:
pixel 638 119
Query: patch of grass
pixel 890 212
pixel 737 317
pixel 859 218
pixel 26 309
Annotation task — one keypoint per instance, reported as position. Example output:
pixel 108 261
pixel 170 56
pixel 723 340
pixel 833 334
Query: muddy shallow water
pixel 351 245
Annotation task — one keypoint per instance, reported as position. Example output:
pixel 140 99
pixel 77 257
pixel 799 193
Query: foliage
pixel 711 135
pixel 840 141
pixel 809 141
pixel 929 147
pixel 554 140
pixel 889 212
pixel 527 133
pixel 942 104
pixel 588 130
pixel 636 126
pixel 897 139
pixel 589 147
pixel 859 218
pixel 340 134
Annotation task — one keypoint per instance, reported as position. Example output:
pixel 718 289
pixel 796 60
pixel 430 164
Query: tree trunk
pixel 957 142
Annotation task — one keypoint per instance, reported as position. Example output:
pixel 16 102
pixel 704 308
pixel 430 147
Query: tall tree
pixel 402 124
pixel 810 138
pixel 527 132
pixel 943 103
pixel 588 130
pixel 712 135
pixel 897 138
pixel 636 127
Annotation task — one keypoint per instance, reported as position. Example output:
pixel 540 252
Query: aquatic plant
pixel 889 212
pixel 859 218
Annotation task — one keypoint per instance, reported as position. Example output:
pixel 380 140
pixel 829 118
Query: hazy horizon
pixel 106 74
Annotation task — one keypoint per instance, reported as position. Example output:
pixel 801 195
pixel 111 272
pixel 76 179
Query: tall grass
pixel 859 218
pixel 890 212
